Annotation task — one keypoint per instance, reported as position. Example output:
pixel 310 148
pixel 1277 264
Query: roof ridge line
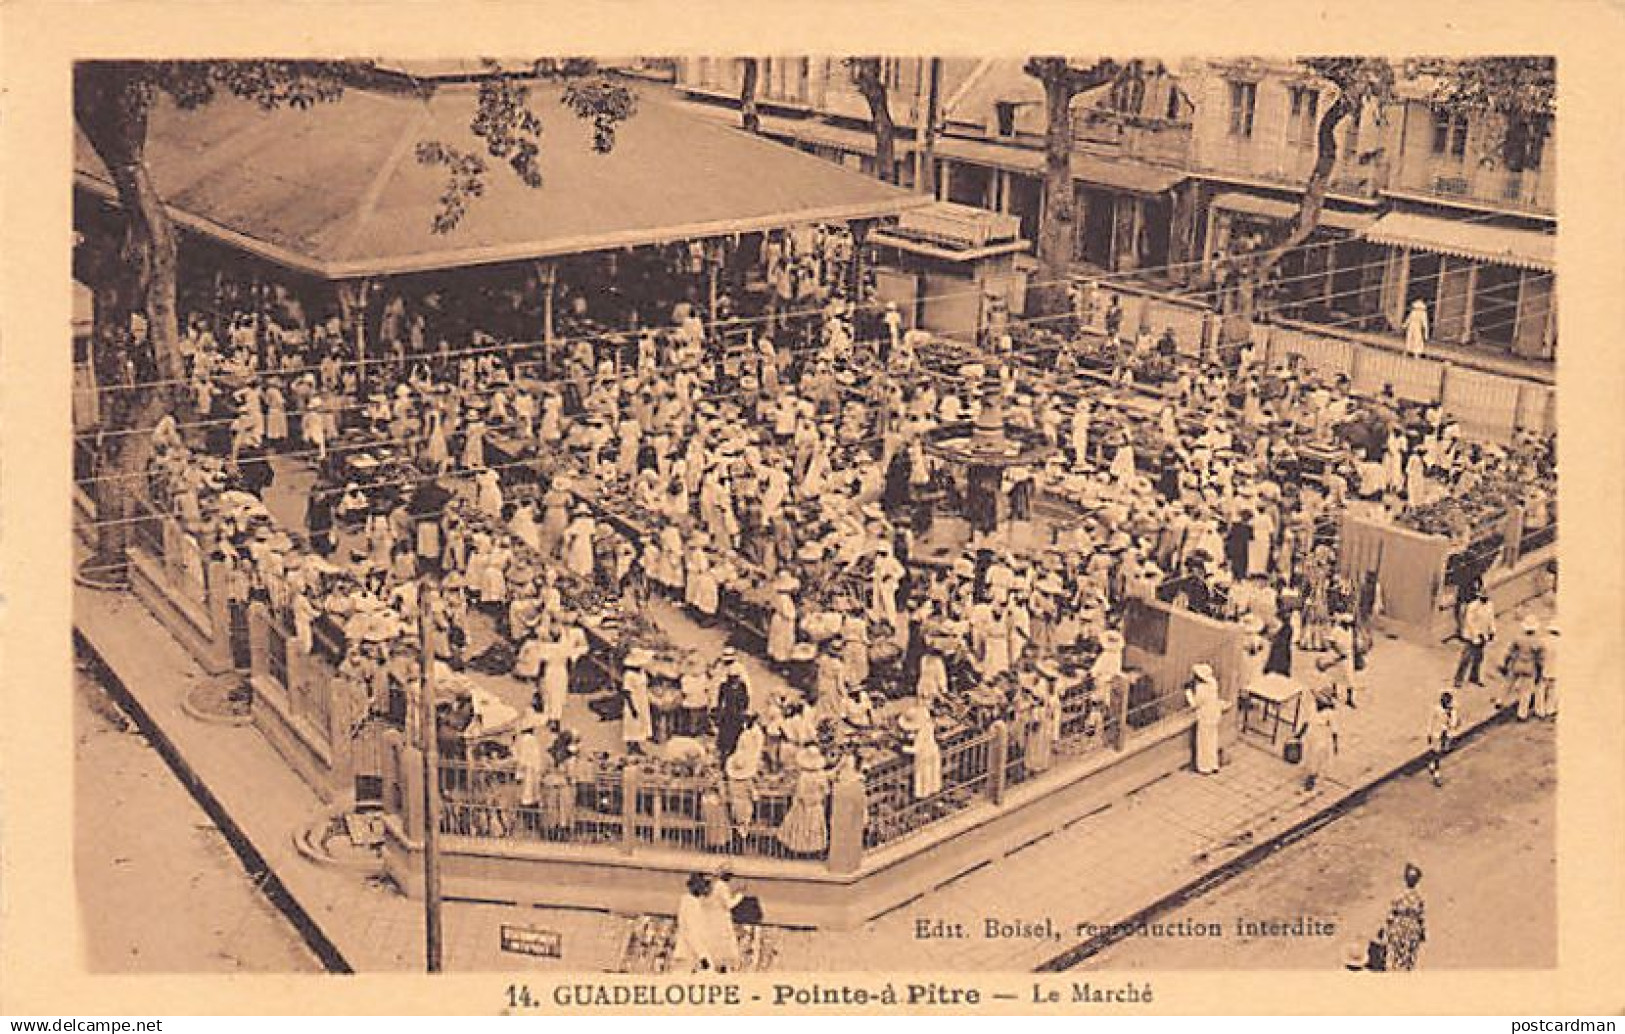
pixel 375 190
pixel 977 74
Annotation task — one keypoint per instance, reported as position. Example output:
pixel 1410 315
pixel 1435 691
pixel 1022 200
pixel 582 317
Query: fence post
pixel 219 596
pixel 998 752
pixel 1512 548
pixel 848 815
pixel 1444 380
pixel 392 745
pixel 630 780
pixel 412 813
pixel 320 677
pixel 1119 699
pixel 259 640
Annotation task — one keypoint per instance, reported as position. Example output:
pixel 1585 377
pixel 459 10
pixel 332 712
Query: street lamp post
pixel 431 787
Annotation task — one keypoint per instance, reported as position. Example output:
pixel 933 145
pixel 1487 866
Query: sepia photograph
pixel 807 514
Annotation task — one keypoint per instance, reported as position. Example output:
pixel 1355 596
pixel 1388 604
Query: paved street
pixel 1486 843
pixel 160 889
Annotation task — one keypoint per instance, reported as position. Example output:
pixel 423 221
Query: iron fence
pixel 658 809
pixel 897 811
pixel 148 528
pixel 491 799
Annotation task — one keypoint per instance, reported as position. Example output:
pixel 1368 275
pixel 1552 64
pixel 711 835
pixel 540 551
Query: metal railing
pixel 148 530
pixel 896 813
pixel 648 808
pixel 603 805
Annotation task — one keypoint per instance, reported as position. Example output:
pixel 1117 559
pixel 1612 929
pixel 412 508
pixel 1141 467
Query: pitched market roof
pixel 336 190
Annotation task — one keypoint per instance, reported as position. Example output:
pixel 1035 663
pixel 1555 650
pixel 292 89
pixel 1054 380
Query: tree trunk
pixel 1056 233
pixel 748 115
pixel 866 77
pixel 1254 270
pixel 155 244
pixel 112 103
pixel 927 134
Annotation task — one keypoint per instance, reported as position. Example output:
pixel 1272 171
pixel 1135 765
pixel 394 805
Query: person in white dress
pixel 927 754
pixel 884 581
pixel 720 935
pixel 314 427
pixel 556 658
pixel 489 490
pixel 693 949
pixel 637 724
pixel 933 678
pixel 1203 696
pixel 578 543
pixel 1416 329
pixel 781 629
pixel 529 765
pixel 474 444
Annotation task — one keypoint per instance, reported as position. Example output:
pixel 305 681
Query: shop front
pixel 1335 276
pixel 1484 286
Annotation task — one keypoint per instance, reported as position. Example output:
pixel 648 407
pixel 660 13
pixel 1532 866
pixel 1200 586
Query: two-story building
pixel 1421 205
pixel 1213 156
pixel 1254 145
pixel 1127 164
pixel 1470 226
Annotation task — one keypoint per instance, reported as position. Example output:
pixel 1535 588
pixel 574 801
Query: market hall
pixel 724 557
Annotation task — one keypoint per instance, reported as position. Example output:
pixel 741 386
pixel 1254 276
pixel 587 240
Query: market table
pixel 1266 699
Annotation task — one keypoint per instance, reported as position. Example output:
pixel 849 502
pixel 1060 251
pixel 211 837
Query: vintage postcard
pixel 947 509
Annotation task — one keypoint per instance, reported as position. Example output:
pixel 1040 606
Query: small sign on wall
pixel 532 940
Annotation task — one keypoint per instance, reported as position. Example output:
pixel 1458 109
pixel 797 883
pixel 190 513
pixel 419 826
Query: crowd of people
pixel 777 476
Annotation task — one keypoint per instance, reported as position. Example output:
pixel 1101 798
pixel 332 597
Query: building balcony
pixel 1110 134
pixel 1288 165
pixel 1532 191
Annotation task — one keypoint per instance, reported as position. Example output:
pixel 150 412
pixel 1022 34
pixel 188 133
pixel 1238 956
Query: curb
pixel 305 842
pixel 1228 870
pixel 263 874
pixel 198 713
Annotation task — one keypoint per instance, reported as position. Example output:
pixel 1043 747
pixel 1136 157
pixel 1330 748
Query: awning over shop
pixel 336 190
pixel 805 130
pixel 823 134
pixel 1285 211
pixel 1526 249
pixel 1132 177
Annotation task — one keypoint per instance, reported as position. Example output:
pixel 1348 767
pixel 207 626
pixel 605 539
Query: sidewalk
pixel 1108 867
pixel 1100 869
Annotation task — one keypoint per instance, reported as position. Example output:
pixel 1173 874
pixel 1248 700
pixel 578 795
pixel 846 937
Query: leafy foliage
pixel 607 103
pixel 1509 85
pixel 511 130
pixel 465 180
pixel 270 84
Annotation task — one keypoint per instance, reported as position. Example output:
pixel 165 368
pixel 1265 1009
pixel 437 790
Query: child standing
pixel 1443 724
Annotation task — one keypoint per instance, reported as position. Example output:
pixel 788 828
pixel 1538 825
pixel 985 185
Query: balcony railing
pixel 1152 140
pixel 1531 190
pixel 1261 159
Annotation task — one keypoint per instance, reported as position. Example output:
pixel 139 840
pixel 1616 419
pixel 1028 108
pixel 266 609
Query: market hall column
pixel 547 282
pixel 860 235
pixel 354 296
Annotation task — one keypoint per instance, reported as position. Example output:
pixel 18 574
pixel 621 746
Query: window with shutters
pixel 1243 102
pixel 1302 117
pixel 1449 133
